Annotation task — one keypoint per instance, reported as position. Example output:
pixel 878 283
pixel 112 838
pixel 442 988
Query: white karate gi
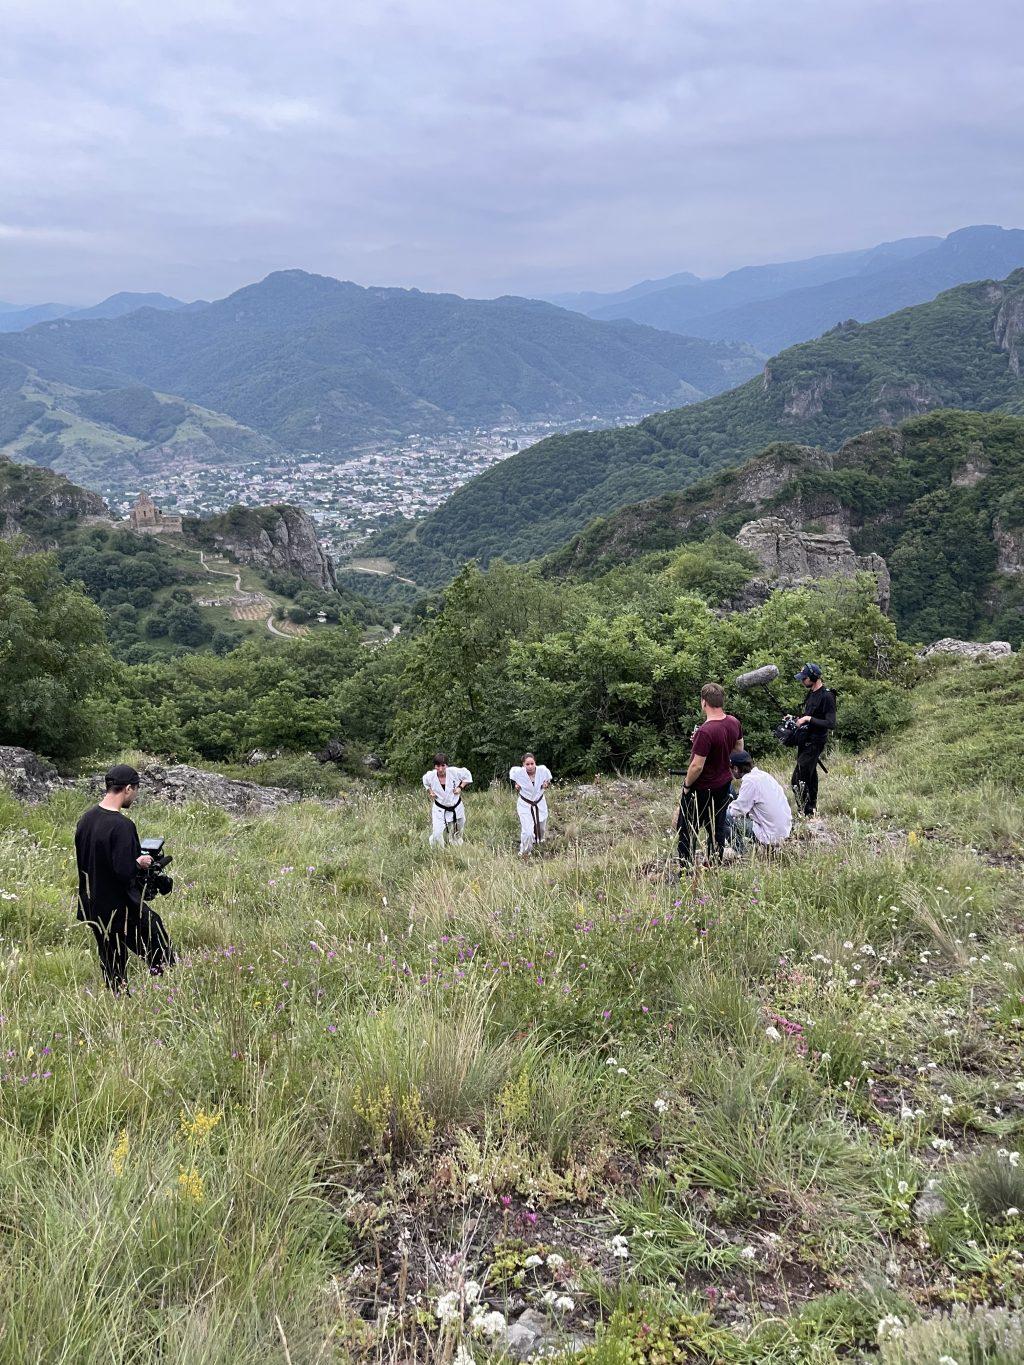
pixel 533 790
pixel 450 815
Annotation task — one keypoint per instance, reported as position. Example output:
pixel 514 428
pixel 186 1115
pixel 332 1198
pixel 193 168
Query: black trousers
pixel 805 779
pixel 137 929
pixel 703 810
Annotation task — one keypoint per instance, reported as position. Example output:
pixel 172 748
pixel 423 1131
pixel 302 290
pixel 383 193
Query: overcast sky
pixel 192 146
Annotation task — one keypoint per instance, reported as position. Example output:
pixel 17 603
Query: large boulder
pixel 790 555
pixel 178 783
pixel 27 775
pixel 970 649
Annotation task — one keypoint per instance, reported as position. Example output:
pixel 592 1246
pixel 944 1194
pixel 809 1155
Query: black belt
pixel 442 806
pixel 535 812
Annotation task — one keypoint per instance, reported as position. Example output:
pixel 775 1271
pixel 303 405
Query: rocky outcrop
pixel 33 501
pixel 970 649
pixel 27 775
pixel 808 399
pixel 32 779
pixel 278 539
pixel 1009 548
pixel 790 555
pixel 1009 330
pixel 896 402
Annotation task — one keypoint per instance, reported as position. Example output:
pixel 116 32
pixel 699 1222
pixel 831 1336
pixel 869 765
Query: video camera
pixel 156 883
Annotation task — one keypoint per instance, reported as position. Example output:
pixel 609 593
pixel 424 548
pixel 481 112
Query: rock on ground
pixel 970 649
pixel 27 775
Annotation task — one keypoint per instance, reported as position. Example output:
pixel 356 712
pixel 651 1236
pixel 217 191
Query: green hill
pixel 941 498
pixel 963 350
pixel 316 363
pixel 112 435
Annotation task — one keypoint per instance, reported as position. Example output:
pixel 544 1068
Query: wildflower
pixel 773 1034
pixel 890 1326
pixel 565 1304
pixel 621 1071
pixel 941 1144
pixel 462 1356
pixel 120 1153
pixel 190 1185
pixel 619 1246
pixel 903 1187
pixel 487 1325
pixel 555 1261
pixel 199 1128
pixel 472 1291
pixel 748 1254
pixel 948 1360
pixel 660 1105
pixel 532 1262
pixel 447 1309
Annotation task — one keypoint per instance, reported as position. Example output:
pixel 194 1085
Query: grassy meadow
pixel 393 1096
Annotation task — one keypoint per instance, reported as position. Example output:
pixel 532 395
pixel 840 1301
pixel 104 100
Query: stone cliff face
pixel 281 539
pixel 790 555
pixel 32 500
pixel 1009 330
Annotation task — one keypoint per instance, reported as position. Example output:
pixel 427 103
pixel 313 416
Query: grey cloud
pixel 191 147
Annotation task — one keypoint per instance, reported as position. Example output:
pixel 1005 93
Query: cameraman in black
pixel 112 872
pixel 815 725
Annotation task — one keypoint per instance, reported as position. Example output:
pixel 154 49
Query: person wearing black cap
pixel 111 865
pixel 815 724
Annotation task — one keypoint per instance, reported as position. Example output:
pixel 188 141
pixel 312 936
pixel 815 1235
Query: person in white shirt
pixel 531 781
pixel 444 785
pixel 761 809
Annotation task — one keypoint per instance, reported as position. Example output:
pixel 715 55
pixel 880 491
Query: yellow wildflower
pixel 120 1153
pixel 199 1128
pixel 190 1185
pixel 912 837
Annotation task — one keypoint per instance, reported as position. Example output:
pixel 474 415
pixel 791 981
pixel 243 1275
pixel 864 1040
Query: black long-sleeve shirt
pixel 106 847
pixel 820 705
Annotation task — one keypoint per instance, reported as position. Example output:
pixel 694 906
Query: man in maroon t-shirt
pixel 706 786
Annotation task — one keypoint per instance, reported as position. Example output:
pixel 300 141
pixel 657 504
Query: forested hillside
pixel 963 350
pixel 940 497
pixel 314 363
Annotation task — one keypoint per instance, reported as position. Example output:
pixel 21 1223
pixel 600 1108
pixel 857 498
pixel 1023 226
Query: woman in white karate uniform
pixel 531 780
pixel 444 785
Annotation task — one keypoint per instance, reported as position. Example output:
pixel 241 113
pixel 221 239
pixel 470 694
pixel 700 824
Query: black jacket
pixel 820 705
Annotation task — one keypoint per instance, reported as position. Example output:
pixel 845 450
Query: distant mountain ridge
pixel 965 349
pixel 17 319
pixel 315 363
pixel 772 307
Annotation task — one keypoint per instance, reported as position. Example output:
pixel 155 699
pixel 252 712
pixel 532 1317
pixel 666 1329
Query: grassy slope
pixel 939 354
pixel 409 1058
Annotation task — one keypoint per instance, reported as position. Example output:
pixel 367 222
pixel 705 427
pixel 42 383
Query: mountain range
pixel 16 318
pixel 965 349
pixel 314 363
pixel 771 307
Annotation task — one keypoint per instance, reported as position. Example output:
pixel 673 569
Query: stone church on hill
pixel 146 517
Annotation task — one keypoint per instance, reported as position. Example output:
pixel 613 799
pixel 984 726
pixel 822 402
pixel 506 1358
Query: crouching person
pixel 444 785
pixel 761 811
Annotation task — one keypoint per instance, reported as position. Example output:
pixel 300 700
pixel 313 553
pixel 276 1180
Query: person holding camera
pixel 814 726
pixel 708 781
pixel 112 871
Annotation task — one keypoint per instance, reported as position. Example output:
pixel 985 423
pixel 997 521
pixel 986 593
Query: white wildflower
pixel 772 1033
pixel 903 1187
pixel 619 1246
pixel 941 1144
pixel 890 1326
pixel 748 1254
pixel 448 1309
pixel 532 1261
pixel 948 1360
pixel 660 1105
pixel 555 1261
pixel 472 1291
pixel 565 1304
pixel 487 1325
pixel 462 1356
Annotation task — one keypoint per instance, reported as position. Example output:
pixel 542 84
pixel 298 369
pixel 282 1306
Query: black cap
pixel 740 759
pixel 121 775
pixel 808 671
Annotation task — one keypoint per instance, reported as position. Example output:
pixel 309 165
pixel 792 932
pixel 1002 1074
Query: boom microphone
pixel 757 677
